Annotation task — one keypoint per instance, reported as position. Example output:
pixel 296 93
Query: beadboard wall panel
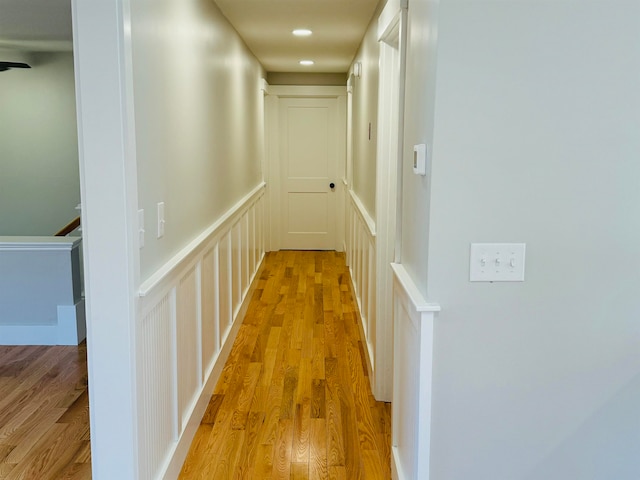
pixel 210 316
pixel 189 342
pixel 190 312
pixel 156 353
pixel 361 259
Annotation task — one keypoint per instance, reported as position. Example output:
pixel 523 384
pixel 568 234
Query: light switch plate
pixel 161 220
pixel 141 228
pixel 497 262
pixel 420 159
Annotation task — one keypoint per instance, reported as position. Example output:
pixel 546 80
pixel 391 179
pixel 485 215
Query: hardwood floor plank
pixel 305 381
pixel 44 413
pixel 337 473
pixel 249 447
pixel 75 471
pixel 288 393
pixel 47 460
pixel 318 398
pixel 318 450
pixel 5 450
pixel 264 462
pixel 294 399
pixel 6 468
pixel 282 450
pixel 274 400
pixel 28 416
pixel 84 453
pixel 301 433
pixel 78 410
pixel 299 471
pixel 335 435
pixel 29 437
pixel 241 412
pixel 372 466
pixel 212 409
pixel 15 360
pixel 197 452
pixel 317 351
pixel 227 459
pixel 352 454
pixel 270 356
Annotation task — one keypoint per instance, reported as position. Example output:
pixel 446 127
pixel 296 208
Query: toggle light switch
pixel 161 221
pixel 141 228
pixel 420 159
pixel 497 262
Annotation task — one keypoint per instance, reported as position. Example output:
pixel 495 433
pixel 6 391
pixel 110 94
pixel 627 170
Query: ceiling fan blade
pixel 4 66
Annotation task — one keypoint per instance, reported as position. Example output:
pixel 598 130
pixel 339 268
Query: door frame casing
pixel 272 163
pixel 392 34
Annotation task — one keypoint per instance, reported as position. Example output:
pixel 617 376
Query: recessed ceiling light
pixel 302 32
pixel 306 62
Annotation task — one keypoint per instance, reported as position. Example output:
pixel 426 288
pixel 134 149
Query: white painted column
pixel 109 199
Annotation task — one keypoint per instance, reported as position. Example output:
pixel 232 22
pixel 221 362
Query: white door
pixel 310 132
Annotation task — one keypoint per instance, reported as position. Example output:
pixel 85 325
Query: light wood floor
pixel 294 399
pixel 44 413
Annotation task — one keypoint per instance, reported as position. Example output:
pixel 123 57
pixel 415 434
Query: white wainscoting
pixel 412 379
pixel 190 312
pixel 361 259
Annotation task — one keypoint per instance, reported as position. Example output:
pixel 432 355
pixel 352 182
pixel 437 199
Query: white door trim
pixel 272 170
pixel 392 38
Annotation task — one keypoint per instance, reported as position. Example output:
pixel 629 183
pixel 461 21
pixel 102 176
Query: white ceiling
pixel 338 27
pixel 36 25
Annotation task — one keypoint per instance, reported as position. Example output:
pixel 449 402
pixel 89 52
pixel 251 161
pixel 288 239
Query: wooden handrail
pixel 68 228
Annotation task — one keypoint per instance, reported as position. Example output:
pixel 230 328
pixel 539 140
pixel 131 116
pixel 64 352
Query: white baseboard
pixel 396 469
pixel 70 329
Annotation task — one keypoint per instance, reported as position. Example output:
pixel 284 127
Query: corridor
pixel 294 399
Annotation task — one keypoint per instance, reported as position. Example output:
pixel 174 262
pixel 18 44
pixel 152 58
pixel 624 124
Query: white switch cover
pixel 497 262
pixel 420 159
pixel 160 219
pixel 141 228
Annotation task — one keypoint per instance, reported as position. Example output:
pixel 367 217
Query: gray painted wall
pixel 39 180
pixel 534 130
pixel 198 112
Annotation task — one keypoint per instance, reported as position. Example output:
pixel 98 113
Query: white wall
pixel 535 139
pixel 198 120
pixel 365 111
pixel 39 183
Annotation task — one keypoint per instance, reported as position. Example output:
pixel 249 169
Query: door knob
pixel 332 185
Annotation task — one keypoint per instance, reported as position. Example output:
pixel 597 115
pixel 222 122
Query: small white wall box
pixel 420 159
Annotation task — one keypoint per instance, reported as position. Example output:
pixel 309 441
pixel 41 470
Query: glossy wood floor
pixel 294 401
pixel 44 413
